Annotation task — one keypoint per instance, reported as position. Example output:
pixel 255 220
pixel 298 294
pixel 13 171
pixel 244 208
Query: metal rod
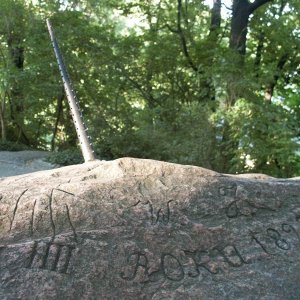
pixel 85 144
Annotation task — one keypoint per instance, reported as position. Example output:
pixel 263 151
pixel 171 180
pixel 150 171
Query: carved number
pixel 42 256
pixel 289 228
pixel 254 238
pixel 279 242
pixel 274 234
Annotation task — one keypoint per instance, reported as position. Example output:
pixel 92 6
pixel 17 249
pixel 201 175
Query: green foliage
pixel 158 89
pixel 66 157
pixel 13 146
pixel 264 135
pixel 166 135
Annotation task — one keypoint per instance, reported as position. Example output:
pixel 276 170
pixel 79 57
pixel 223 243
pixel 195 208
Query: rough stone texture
pixel 142 229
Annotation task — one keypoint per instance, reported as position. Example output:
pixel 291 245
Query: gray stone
pixel 142 229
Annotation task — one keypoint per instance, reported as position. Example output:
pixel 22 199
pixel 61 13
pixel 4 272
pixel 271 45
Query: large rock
pixel 142 229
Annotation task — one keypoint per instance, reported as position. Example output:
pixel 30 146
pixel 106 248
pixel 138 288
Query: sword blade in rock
pixel 81 130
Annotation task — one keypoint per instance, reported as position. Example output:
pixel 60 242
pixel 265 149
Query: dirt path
pixel 22 162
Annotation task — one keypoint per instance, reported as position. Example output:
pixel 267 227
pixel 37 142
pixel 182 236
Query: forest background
pixel 195 82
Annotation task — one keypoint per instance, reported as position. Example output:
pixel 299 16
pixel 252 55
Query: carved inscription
pixel 50 256
pixel 15 208
pixel 160 215
pixel 34 218
pixel 170 268
pixel 1 249
pixel 56 257
pixel 241 206
pixel 297 216
pixel 139 260
pixel 290 229
pixel 254 237
pixel 280 242
pixel 232 256
pixel 200 259
pixel 52 223
pixel 173 268
pixel 276 237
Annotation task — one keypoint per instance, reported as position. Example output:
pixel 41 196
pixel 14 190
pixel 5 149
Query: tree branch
pixel 144 93
pixel 215 20
pixel 171 29
pixel 278 72
pixel 227 7
pixel 183 39
pixel 256 4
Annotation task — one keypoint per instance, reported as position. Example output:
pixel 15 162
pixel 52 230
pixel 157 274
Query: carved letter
pixel 160 216
pixel 232 256
pixel 140 261
pixel 196 257
pixel 169 262
pixel 232 210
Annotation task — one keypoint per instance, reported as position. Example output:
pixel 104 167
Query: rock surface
pixel 142 229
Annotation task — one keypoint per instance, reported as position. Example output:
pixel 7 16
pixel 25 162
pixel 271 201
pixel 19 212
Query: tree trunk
pixel 227 149
pixel 259 50
pixel 2 122
pixel 17 57
pixel 215 20
pixel 239 26
pixel 271 86
pixel 16 95
pixel 241 11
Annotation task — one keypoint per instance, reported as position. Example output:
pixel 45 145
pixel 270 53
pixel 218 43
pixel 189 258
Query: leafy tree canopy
pixel 179 81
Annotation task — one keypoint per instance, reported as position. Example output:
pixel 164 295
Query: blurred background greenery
pixel 205 83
